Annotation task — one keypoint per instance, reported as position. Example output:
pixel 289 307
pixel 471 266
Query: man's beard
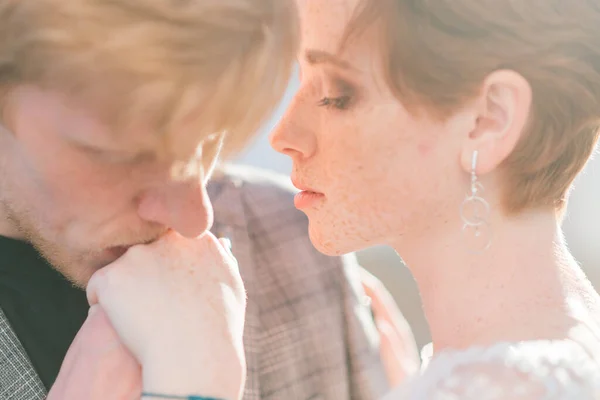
pixel 24 224
pixel 77 267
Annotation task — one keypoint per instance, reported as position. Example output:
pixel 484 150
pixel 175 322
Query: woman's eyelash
pixel 340 103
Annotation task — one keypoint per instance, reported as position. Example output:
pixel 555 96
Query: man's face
pixel 83 194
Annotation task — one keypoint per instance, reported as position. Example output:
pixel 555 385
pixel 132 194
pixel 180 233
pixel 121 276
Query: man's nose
pixel 183 206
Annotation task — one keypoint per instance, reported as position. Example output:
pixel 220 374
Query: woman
pixel 452 131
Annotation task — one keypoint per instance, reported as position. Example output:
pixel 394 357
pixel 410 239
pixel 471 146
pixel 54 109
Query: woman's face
pixel 386 176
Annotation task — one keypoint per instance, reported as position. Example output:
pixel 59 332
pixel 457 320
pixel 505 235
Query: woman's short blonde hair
pixel 160 57
pixel 438 53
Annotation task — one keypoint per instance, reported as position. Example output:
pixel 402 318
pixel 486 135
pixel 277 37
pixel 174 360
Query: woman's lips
pixel 306 199
pixel 307 196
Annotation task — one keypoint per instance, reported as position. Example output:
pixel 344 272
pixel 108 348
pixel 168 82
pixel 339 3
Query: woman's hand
pixel 178 305
pixel 398 348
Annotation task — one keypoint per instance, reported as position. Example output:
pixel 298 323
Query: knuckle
pixel 103 279
pixel 208 238
pixel 100 278
pixel 137 251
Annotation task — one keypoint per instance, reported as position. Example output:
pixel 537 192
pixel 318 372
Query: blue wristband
pixel 166 396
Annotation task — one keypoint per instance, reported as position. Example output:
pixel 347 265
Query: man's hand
pixel 398 348
pixel 97 365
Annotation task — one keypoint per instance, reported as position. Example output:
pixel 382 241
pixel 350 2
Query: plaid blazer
pixel 308 336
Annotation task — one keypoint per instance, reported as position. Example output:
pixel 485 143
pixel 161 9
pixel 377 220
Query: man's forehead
pixel 137 132
pixel 346 7
pixel 151 128
pixel 88 123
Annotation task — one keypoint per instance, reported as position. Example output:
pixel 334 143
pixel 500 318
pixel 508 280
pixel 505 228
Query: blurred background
pixel 582 227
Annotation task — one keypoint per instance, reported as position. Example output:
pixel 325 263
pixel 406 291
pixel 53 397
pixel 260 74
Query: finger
pixel 223 246
pixel 370 283
pixel 98 283
pixel 227 245
pixel 400 332
pixel 93 286
pixel 385 308
pixel 226 242
pixel 222 242
pixel 397 362
pixel 91 292
pixel 383 304
pixel 389 352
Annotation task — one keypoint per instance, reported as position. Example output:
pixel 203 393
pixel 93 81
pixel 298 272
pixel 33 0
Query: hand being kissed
pixel 177 306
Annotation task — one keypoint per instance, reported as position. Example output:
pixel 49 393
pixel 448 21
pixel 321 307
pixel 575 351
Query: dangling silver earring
pixel 475 212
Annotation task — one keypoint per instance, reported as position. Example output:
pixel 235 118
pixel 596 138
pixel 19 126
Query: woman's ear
pixel 503 109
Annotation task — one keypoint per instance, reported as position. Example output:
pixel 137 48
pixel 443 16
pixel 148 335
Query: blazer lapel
pixel 18 379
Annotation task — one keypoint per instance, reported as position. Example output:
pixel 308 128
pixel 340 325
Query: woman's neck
pixel 520 288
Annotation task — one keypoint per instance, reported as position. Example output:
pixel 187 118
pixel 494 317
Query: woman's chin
pixel 332 244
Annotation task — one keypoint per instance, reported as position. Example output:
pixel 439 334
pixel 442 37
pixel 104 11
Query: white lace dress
pixel 535 370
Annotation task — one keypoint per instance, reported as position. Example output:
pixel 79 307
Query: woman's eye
pixel 340 103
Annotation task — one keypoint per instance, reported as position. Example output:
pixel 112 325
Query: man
pixel 107 141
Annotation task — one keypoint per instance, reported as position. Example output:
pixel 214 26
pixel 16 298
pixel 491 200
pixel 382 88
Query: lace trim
pixel 557 369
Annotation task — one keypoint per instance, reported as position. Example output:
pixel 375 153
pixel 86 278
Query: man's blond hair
pixel 162 58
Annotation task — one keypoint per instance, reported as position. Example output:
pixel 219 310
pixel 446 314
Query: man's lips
pixel 116 252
